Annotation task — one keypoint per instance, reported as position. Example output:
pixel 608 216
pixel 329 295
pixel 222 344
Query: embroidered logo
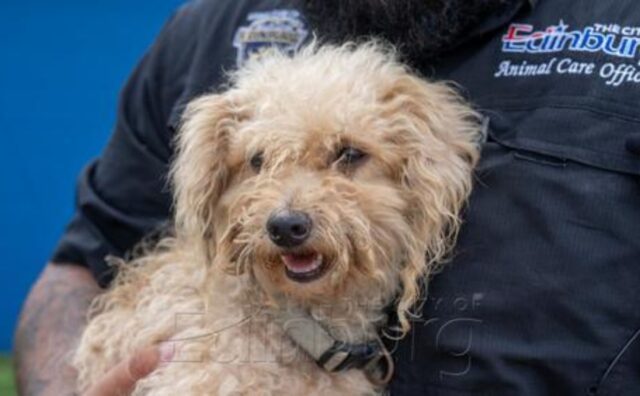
pixel 282 30
pixel 611 39
pixel 620 43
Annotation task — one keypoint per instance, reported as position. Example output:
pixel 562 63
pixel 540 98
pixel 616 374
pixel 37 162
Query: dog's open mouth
pixel 304 267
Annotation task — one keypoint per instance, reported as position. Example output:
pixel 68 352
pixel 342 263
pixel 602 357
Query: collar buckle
pixel 333 355
pixel 371 357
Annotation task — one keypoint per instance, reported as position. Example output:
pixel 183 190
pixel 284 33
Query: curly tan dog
pixel 311 196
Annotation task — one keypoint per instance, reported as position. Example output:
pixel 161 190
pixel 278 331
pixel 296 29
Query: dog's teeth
pixel 301 264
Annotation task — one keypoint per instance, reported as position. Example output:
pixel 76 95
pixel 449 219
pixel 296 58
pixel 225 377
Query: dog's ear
pixel 437 134
pixel 200 172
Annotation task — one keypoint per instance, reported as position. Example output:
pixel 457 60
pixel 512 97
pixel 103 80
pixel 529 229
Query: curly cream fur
pixel 381 226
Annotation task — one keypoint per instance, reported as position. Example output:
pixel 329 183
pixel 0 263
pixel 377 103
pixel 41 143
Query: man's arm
pixel 50 324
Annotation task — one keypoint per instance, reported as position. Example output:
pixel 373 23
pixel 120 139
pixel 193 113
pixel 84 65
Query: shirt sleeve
pixel 123 194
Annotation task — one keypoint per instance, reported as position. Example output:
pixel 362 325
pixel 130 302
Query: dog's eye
pixel 256 161
pixel 350 155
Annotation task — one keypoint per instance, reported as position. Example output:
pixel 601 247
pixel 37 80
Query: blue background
pixel 62 64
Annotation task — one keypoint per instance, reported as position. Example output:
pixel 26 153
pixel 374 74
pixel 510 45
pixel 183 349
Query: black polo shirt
pixel 543 294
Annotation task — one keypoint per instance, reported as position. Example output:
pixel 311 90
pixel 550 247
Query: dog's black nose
pixel 289 229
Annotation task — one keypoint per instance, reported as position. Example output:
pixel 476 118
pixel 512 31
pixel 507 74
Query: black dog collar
pixel 334 355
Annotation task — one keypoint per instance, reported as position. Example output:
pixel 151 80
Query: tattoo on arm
pixel 51 322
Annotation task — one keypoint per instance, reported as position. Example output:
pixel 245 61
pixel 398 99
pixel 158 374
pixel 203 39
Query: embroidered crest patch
pixel 609 51
pixel 282 30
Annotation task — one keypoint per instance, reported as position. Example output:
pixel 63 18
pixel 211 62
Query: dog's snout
pixel 289 229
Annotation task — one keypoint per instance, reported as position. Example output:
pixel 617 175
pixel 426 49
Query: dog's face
pixel 332 175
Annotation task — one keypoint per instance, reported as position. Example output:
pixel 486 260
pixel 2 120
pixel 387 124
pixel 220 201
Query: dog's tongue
pixel 301 263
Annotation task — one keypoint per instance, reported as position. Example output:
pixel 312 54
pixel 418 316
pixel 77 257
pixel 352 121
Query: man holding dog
pixel 541 294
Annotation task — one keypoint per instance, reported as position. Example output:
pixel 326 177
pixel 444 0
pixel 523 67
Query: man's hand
pixel 121 379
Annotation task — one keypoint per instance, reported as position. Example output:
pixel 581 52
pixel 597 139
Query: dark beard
pixel 422 30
